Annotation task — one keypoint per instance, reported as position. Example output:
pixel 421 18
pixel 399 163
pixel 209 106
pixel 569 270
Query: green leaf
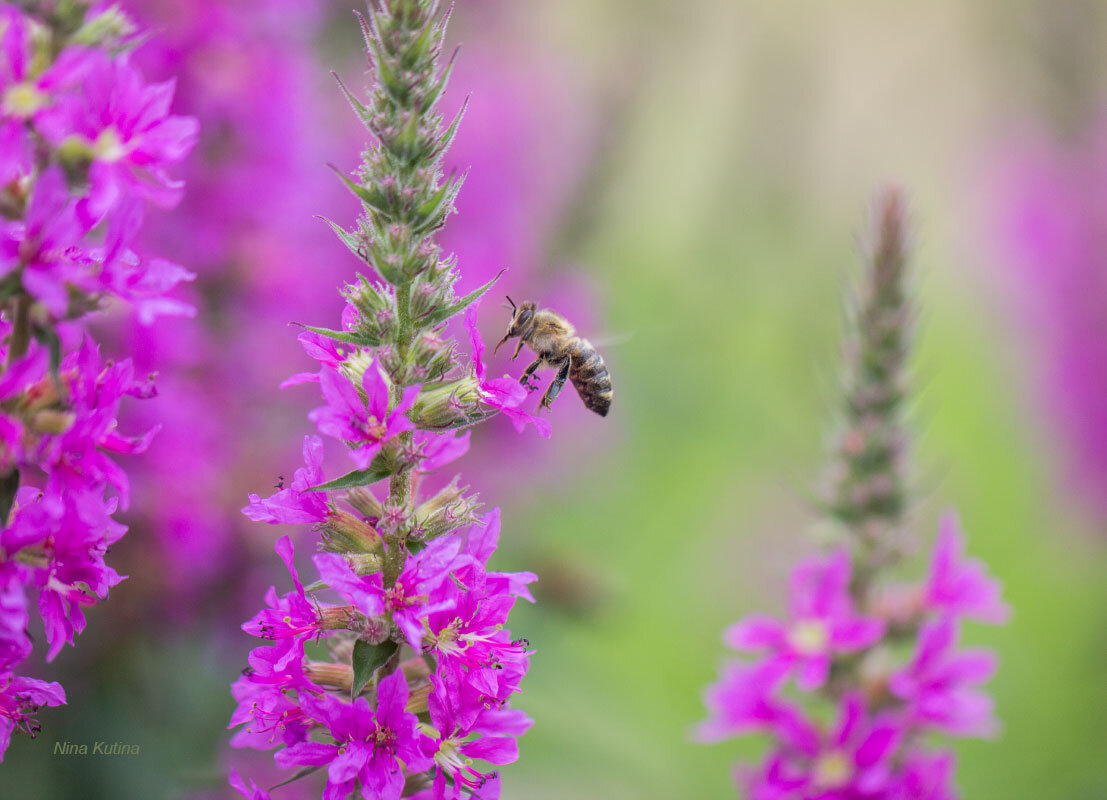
pixel 347 238
pixel 378 470
pixel 349 337
pixel 368 658
pixel 359 108
pixel 301 774
pixel 446 139
pixel 443 314
pixel 363 193
pixel 433 212
pixel 9 485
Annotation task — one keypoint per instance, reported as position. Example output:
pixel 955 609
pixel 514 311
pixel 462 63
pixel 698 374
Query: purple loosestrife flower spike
pixel 85 144
pixel 839 646
pixel 866 483
pixel 408 691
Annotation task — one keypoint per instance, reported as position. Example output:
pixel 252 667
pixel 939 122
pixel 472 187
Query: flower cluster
pixel 850 685
pixel 87 145
pixel 394 670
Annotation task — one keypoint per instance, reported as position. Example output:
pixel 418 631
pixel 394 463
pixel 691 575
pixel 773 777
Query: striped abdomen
pixel 590 376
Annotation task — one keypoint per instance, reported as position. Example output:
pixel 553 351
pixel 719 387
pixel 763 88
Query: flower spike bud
pixel 866 491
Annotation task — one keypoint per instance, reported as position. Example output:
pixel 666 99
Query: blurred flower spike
pixel 85 145
pixel 849 711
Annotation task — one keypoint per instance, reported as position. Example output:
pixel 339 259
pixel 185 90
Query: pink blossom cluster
pixel 393 671
pixel 87 144
pixel 845 659
pixel 446 705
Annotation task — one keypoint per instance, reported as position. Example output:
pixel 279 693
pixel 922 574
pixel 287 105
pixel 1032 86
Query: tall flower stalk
pixel 85 144
pixel 407 682
pixel 850 688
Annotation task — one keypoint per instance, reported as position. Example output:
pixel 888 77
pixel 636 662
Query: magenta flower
pixel 436 450
pixel 45 244
pixel 142 282
pixel 453 752
pixel 960 586
pixel 70 528
pixel 823 622
pixel 467 634
pixel 292 614
pixel 743 700
pixel 15 151
pixel 19 699
pixel 251 792
pixel 368 747
pixel 925 776
pixel 270 717
pixel 295 504
pixel 364 425
pixel 407 601
pixel 323 349
pixel 127 126
pixel 481 541
pixel 280 666
pixel 95 392
pixel 937 686
pixel 505 393
pixel 26 90
pixel 854 761
pixel 15 644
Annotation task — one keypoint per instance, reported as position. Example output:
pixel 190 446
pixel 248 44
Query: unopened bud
pixel 444 406
pixel 417 699
pixel 362 499
pixel 110 27
pixel 326 673
pixel 50 421
pixel 447 511
pixel 364 563
pixel 345 533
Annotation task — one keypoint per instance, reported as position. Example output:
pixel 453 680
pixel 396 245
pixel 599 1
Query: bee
pixel 550 337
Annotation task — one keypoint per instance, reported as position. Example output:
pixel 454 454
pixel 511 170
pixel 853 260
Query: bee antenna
pixel 512 303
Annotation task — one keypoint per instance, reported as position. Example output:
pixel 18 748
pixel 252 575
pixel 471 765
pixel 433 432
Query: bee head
pixel 521 316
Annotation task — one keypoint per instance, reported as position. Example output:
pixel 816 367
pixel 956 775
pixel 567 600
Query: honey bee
pixel 554 341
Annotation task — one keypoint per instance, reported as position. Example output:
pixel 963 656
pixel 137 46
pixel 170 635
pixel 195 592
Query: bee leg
pixel 555 386
pixel 525 377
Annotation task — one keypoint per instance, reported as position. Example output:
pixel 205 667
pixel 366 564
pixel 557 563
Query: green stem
pixel 399 487
pixel 20 338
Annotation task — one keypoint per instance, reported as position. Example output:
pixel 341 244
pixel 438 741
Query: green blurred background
pixel 721 234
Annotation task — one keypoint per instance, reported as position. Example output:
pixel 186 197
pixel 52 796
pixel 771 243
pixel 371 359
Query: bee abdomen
pixel 590 377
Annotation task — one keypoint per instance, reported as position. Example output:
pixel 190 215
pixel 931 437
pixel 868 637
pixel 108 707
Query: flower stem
pixel 21 330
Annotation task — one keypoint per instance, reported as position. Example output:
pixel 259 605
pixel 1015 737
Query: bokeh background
pixel 688 182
